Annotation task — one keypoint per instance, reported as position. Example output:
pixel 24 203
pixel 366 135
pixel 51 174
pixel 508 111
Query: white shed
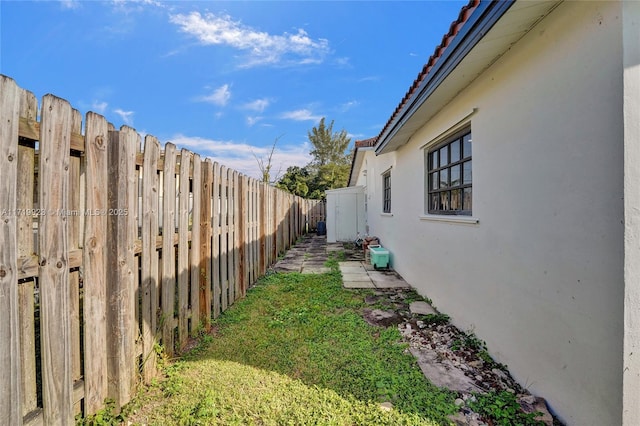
pixel 346 214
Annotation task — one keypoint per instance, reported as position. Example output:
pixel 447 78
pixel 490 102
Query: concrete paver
pixel 358 284
pixel 309 256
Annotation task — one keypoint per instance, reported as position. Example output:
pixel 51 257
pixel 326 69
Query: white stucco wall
pixel 540 277
pixel 631 48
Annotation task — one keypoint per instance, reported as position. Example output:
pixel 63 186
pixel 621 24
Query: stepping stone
pixel 421 308
pixel 358 284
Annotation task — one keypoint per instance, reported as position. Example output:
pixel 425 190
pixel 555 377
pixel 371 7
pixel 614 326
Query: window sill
pixel 467 220
pixel 386 214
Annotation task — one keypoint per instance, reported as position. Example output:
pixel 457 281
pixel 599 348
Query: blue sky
pixel 226 79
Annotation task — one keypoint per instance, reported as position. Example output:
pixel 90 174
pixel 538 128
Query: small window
pixel 448 176
pixel 386 185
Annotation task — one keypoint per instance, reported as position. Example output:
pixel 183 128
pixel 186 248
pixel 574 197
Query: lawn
pixel 296 351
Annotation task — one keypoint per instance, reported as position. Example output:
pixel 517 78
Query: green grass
pixel 296 351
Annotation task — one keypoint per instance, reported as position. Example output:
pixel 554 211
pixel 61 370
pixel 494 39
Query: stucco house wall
pixel 537 271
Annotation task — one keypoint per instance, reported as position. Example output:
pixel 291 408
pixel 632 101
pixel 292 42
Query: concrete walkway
pixel 312 251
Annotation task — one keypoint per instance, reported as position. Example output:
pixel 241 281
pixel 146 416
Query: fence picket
pixel 222 288
pixel 26 248
pixel 122 226
pixel 196 183
pixel 10 384
pixel 88 244
pixel 95 261
pixel 183 248
pixel 168 247
pixel 149 266
pixel 205 243
pixel 55 136
pixel 216 235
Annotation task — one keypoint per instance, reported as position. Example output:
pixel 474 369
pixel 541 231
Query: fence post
pixel 121 294
pixel 10 385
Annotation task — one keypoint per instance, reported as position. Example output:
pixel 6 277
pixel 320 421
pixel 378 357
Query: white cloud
pixel 126 116
pixel 99 107
pixel 219 96
pixel 70 4
pixel 348 105
pixel 240 156
pixel 261 47
pixel 258 105
pixel 253 120
pixel 300 115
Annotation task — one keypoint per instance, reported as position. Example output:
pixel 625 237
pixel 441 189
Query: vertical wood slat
pixel 74 232
pixel 216 235
pixel 149 284
pixel 205 243
pixel 168 248
pixel 26 300
pixel 238 290
pixel 231 271
pixel 263 229
pixel 249 237
pixel 95 261
pixel 55 136
pixel 183 248
pixel 223 285
pixel 242 233
pixel 10 367
pixel 196 183
pixel 122 271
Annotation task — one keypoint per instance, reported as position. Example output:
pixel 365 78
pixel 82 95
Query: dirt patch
pixel 449 357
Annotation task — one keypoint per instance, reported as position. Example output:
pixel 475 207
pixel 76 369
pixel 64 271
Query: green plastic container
pixel 379 256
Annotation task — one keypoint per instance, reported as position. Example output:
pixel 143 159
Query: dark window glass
pixel 449 176
pixel 386 185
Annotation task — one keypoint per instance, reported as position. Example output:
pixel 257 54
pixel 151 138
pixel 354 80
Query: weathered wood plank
pixel 149 260
pixel 55 135
pixel 231 232
pixel 26 299
pixel 196 185
pixel 244 235
pixel 95 262
pixel 121 297
pixel 10 366
pixel 224 238
pixel 263 228
pixel 74 232
pixel 205 243
pixel 183 248
pixel 168 248
pixel 217 236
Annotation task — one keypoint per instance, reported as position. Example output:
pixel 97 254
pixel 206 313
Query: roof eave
pixel 482 19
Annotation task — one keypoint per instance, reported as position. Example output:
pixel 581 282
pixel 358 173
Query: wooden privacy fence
pixel 109 249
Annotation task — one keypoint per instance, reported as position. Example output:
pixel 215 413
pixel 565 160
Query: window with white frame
pixel 386 192
pixel 448 177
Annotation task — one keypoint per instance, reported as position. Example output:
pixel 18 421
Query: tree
pixel 295 180
pixel 329 168
pixel 328 147
pixel 265 169
pixel 331 162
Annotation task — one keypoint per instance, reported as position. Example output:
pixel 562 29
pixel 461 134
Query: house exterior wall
pixel 631 49
pixel 540 276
